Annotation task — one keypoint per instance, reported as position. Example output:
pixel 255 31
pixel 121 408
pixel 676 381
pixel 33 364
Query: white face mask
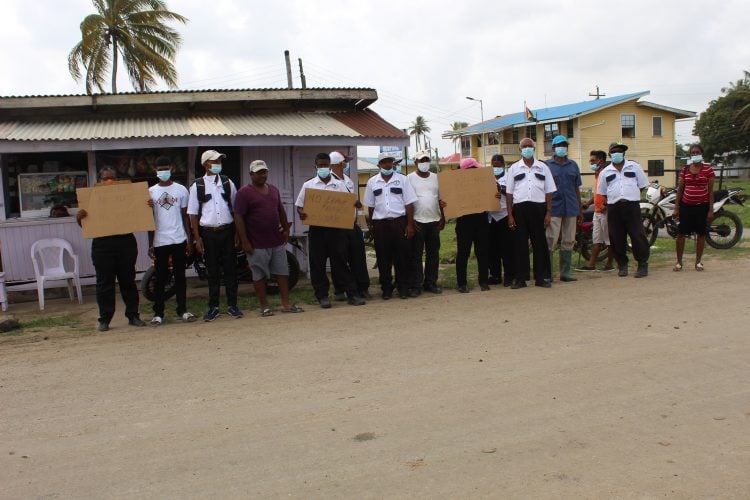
pixel 424 166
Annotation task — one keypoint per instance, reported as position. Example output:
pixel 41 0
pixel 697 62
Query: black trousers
pixel 426 242
pixel 529 218
pixel 329 243
pixel 114 257
pixel 221 261
pixel 357 260
pixel 392 249
pixel 163 255
pixel 624 219
pixel 471 229
pixel 500 250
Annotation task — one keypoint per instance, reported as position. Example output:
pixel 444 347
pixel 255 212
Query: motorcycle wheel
pixel 651 230
pixel 272 287
pixel 148 285
pixel 725 231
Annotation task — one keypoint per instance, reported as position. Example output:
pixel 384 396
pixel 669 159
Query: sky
pixel 423 57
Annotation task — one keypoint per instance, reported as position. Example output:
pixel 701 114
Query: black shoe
pixel 545 283
pixel 403 294
pixel 622 271
pixel 484 287
pixel 365 294
pixel 642 271
pixel 508 283
pixel 518 284
pixel 211 314
pixel 325 302
pixel 356 300
pixel 339 296
pixel 136 321
pixel 433 289
pixel 463 289
pixel 103 326
pixel 414 292
pixel 494 281
pixel 387 295
pixel 235 312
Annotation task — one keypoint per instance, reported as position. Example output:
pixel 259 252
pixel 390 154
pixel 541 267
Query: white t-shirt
pixel 168 204
pixel 503 212
pixel 426 208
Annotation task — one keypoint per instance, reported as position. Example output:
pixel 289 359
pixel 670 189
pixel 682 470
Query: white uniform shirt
pixel 427 190
pixel 346 180
pixel 215 211
pixel 529 183
pixel 389 199
pixel 623 185
pixel 316 183
pixel 168 204
pixel 503 212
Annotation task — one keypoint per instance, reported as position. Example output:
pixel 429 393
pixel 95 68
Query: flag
pixel 529 115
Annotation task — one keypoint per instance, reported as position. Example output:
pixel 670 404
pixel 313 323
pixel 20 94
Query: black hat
pixel 163 161
pixel 618 145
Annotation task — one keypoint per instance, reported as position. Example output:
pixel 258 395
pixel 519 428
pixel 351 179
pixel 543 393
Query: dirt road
pixel 608 387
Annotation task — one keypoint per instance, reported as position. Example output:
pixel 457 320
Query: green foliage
pixel 419 129
pixel 723 127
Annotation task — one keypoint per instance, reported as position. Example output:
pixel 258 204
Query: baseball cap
pixel 422 154
pixel 559 139
pixel 211 155
pixel 346 156
pixel 257 166
pixel 336 158
pixel 469 163
pixel 618 145
pixel 385 155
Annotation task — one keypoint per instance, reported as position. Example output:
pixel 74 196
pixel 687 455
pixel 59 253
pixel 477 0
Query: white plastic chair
pixel 48 256
pixel 3 293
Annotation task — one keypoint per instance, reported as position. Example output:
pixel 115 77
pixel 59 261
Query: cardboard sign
pixel 329 208
pixel 115 209
pixel 468 191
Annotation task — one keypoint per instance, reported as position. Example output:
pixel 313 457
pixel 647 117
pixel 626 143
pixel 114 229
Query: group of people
pixel 539 203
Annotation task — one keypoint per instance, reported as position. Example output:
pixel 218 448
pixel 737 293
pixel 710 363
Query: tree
pixel 135 30
pixel 418 129
pixel 720 127
pixel 457 126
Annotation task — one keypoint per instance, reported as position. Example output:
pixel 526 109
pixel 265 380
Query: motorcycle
pixel 585 237
pixel 722 233
pixel 244 274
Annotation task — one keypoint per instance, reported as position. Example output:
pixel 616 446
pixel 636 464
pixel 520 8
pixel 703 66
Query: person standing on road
pixel 529 193
pixel 390 200
pixel 566 205
pixel 210 210
pixel 327 242
pixel 114 257
pixel 621 183
pixel 600 228
pixel 170 241
pixel 429 221
pixel 694 207
pixel 263 231
pixel 500 246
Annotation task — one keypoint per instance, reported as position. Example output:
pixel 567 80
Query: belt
pixel 389 219
pixel 217 228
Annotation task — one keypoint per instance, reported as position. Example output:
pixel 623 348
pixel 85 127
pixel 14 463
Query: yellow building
pixel 647 128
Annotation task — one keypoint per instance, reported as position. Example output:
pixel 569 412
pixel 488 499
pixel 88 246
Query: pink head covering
pixel 469 163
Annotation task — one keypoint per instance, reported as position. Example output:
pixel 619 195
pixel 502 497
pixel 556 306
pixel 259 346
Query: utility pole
pixel 288 70
pixel 481 111
pixel 598 94
pixel 302 74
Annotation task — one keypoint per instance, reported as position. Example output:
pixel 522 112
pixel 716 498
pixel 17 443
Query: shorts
pixel 600 229
pixel 265 262
pixel 693 219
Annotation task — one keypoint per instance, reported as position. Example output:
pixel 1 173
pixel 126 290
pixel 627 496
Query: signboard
pixel 396 151
pixel 115 209
pixel 329 208
pixel 468 191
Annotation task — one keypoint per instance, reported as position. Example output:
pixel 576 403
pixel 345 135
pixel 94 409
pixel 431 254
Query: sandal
pixel 266 312
pixel 699 266
pixel 677 267
pixel 293 309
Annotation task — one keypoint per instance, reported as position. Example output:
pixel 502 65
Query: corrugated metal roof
pixel 280 124
pixel 185 91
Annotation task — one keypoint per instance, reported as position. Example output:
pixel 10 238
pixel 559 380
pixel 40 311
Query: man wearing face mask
pixel 390 199
pixel 171 239
pixel 621 183
pixel 529 194
pixel 327 242
pixel 429 221
pixel 600 228
pixel 212 221
pixel 355 241
pixel 500 246
pixel 566 205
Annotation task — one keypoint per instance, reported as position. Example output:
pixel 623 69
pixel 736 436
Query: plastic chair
pixel 3 293
pixel 48 256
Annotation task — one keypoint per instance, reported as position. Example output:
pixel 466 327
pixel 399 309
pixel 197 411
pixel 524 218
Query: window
pixel 656 168
pixel 531 132
pixel 515 138
pixel 627 123
pixel 465 146
pixel 570 132
pixel 656 125
pixel 479 141
pixel 550 131
pixel 493 139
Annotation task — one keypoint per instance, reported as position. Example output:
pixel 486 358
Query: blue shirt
pixel 567 177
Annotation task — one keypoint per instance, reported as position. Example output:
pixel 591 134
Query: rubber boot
pixel 565 258
pixel 642 271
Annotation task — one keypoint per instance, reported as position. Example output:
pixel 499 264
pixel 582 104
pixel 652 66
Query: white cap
pixel 422 154
pixel 258 165
pixel 336 158
pixel 211 155
pixel 383 156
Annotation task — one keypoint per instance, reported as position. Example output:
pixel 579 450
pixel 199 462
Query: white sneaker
pixel 156 321
pixel 188 317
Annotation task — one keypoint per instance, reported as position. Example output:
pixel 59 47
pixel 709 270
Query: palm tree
pixel 457 126
pixel 418 129
pixel 135 30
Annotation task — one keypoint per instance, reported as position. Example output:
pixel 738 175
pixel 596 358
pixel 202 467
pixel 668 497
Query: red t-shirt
pixel 696 185
pixel 599 199
pixel 261 215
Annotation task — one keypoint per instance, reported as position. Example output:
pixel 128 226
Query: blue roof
pixel 564 112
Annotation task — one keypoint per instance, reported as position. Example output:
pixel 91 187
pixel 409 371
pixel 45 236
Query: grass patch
pixel 38 324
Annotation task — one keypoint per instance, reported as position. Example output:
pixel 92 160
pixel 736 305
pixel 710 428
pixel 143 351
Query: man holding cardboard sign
pixel 327 236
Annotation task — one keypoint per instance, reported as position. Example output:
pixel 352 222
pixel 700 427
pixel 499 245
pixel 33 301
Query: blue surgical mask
pixel 386 172
pixel 346 169
pixel 561 151
pixel 164 175
pixel 216 168
pixel 527 153
pixel 324 172
pixel 697 159
pixel 497 171
pixel 618 158
pixel 594 167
